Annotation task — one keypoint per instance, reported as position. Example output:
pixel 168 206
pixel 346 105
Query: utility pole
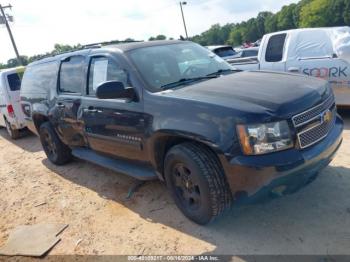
pixel 4 18
pixel 183 17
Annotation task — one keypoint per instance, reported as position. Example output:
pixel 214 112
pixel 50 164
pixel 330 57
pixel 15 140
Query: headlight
pixel 264 138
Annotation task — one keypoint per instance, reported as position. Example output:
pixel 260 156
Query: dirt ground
pixel 93 201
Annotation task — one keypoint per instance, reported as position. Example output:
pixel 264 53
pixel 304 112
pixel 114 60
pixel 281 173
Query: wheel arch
pixel 164 141
pixel 38 120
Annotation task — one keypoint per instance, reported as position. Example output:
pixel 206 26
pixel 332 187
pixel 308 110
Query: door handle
pixel 91 109
pixel 60 105
pixel 293 70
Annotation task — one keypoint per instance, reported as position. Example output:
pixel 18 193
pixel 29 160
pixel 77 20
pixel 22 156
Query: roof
pixel 135 45
pixel 309 29
pixel 11 70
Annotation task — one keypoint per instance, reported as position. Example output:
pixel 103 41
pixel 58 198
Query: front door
pixel 68 104
pixel 112 126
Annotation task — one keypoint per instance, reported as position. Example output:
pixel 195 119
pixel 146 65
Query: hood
pixel 271 93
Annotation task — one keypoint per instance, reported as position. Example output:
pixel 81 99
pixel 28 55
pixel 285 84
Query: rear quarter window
pixel 40 78
pixel 14 82
pixel 225 51
pixel 274 50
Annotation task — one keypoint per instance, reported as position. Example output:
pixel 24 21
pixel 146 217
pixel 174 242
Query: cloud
pixel 39 24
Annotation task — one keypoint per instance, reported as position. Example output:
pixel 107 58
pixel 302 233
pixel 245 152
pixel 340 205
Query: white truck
pixel 11 114
pixel 318 52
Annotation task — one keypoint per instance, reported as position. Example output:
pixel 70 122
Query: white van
pixel 11 115
pixel 319 52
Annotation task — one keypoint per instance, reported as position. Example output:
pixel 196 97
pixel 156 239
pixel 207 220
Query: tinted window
pixel 225 51
pixel 40 78
pixel 274 50
pixel 102 70
pixel 14 82
pixel 72 75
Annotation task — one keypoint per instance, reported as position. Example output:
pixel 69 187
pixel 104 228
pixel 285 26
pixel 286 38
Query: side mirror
pixel 114 90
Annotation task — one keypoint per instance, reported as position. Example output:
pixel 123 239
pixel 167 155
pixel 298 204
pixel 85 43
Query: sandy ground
pixel 92 200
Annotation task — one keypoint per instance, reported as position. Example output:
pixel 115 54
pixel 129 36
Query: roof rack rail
pixel 113 42
pixel 89 46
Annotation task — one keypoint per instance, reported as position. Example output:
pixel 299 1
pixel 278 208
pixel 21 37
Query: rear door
pixel 14 87
pixel 2 100
pixel 71 83
pixel 112 126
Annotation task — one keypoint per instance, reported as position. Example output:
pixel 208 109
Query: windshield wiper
pixel 220 71
pixel 184 81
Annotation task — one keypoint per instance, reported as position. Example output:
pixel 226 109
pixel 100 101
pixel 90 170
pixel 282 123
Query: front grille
pixel 314 124
pixel 311 114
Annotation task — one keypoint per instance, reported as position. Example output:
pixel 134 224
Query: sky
pixel 39 24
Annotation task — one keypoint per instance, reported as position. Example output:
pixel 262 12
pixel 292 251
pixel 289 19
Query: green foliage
pixel 158 37
pixel 306 13
pixel 286 17
pixel 346 13
pixel 325 13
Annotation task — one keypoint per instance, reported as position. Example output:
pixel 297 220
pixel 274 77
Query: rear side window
pixel 40 78
pixel 225 51
pixel 14 82
pixel 72 75
pixel 274 50
pixel 103 69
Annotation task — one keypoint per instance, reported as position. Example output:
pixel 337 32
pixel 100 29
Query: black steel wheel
pixel 56 151
pixel 197 182
pixel 187 186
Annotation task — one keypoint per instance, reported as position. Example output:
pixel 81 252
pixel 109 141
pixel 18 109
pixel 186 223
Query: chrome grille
pixel 311 124
pixel 311 114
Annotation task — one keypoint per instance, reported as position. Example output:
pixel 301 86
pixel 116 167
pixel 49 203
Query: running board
pixel 131 169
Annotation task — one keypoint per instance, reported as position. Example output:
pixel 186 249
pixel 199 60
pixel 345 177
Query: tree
pixel 13 62
pixel 271 24
pixel 346 13
pixel 260 22
pixel 58 48
pixel 285 17
pixel 316 14
pixel 158 37
pixel 235 37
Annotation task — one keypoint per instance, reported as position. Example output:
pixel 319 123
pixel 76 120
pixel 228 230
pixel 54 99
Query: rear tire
pixel 57 152
pixel 13 133
pixel 197 182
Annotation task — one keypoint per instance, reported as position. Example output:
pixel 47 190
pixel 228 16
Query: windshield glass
pixel 166 64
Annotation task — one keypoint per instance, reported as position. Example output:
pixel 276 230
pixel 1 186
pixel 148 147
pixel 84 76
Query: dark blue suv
pixel 175 111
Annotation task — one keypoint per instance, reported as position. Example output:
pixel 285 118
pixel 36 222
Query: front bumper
pixel 254 178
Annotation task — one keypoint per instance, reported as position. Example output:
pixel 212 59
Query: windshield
pixel 166 64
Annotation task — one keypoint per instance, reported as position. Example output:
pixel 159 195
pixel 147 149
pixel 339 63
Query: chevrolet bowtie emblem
pixel 326 117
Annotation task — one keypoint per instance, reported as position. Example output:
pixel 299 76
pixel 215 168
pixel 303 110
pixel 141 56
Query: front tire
pixel 57 152
pixel 197 182
pixel 13 133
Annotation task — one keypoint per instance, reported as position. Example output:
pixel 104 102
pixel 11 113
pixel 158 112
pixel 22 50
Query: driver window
pixel 103 69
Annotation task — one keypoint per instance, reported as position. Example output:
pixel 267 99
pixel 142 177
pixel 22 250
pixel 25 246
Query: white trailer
pixel 317 52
